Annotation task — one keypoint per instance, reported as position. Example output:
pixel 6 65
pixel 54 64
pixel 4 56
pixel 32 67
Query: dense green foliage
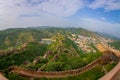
pixel 33 50
pixel 93 74
pixel 68 56
pixel 13 76
pixel 116 45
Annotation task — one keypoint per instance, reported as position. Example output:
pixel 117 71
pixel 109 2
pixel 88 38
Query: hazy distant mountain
pixel 107 35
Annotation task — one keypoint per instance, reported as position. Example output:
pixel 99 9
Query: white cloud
pixel 11 10
pixel 55 13
pixel 97 4
pixel 62 7
pixel 53 7
pixel 106 4
pixel 113 5
pixel 101 26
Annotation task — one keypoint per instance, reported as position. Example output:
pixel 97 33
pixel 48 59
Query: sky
pixel 96 15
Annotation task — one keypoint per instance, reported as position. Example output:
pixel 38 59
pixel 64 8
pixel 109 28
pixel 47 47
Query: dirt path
pixel 102 48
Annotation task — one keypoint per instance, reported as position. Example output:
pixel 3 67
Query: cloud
pixel 101 26
pixel 24 13
pixel 62 7
pixel 97 4
pixel 51 7
pixel 106 4
pixel 11 11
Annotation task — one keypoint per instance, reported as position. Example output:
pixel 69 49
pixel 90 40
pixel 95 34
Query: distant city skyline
pixel 95 15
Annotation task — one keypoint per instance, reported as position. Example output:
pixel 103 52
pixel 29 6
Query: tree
pixel 7 41
pixel 13 76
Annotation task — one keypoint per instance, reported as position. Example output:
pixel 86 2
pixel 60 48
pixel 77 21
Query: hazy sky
pixel 97 15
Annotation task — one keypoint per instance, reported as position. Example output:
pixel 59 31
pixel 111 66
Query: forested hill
pixel 51 49
pixel 17 36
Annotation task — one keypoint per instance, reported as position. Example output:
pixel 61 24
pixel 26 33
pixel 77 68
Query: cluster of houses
pixel 86 43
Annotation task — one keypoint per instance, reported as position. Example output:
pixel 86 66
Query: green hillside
pixel 50 49
pixel 12 37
